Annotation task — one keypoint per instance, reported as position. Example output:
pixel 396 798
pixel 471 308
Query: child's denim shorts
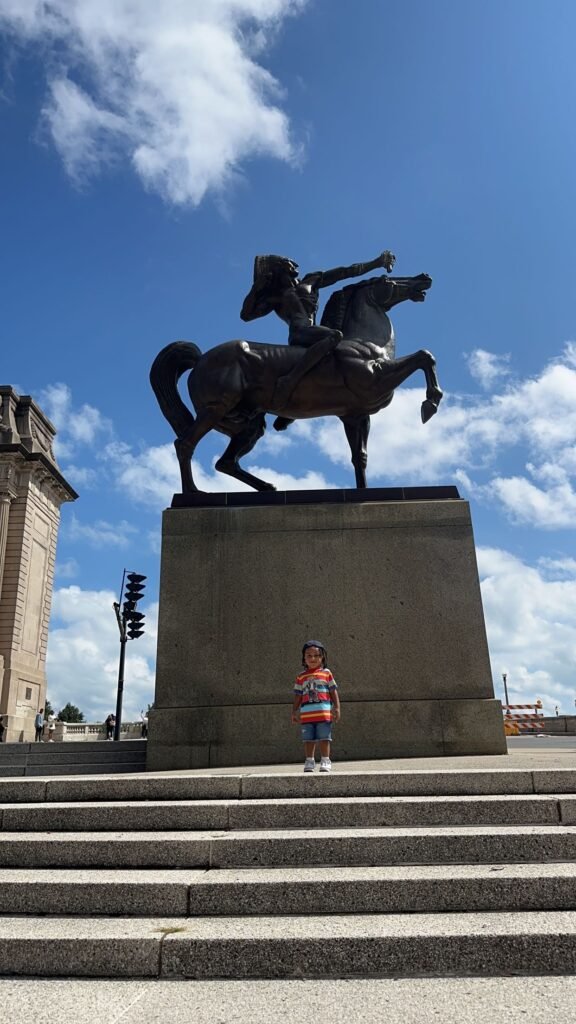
pixel 316 731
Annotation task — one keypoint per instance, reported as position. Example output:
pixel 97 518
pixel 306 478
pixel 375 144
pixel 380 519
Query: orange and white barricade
pixel 517 720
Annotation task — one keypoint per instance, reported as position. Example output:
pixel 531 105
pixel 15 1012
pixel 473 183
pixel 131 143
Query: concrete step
pixel 291 947
pixel 24 759
pixel 100 768
pixel 340 812
pixel 295 847
pixel 343 890
pixel 8 750
pixel 470 782
pixel 105 755
pixel 397 889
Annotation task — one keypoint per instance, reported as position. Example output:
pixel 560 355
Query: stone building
pixel 32 490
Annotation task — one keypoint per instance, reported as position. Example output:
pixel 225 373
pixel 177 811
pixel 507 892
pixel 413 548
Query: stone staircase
pixel 83 758
pixel 468 872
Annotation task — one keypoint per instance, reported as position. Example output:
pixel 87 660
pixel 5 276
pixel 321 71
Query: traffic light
pixel 133 619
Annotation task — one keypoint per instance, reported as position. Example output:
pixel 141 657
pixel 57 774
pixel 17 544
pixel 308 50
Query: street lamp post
pixel 504 680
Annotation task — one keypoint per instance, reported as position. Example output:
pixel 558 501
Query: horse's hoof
pixel 282 423
pixel 427 410
pixel 266 487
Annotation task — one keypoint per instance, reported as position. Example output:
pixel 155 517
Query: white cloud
pixel 467 436
pixel 83 652
pixel 487 367
pixel 552 508
pixel 83 425
pixel 152 476
pixel 531 627
pixel 310 481
pixel 67 570
pixel 402 448
pixel 101 534
pixel 558 566
pixel 155 541
pixel 81 476
pixel 174 86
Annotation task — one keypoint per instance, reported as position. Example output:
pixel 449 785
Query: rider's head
pixel 285 270
pixel 279 271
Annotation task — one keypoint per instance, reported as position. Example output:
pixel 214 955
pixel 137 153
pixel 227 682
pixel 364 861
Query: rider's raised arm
pixel 325 278
pixel 256 304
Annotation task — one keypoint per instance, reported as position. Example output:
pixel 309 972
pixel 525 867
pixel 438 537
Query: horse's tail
pixel 165 373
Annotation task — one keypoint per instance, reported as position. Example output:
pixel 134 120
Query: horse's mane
pixel 336 308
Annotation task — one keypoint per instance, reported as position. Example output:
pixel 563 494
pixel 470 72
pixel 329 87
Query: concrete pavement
pixel 523 752
pixel 539 1000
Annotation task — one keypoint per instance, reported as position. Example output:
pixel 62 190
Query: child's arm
pixel 296 707
pixel 335 704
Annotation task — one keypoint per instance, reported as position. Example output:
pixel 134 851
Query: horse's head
pixel 418 287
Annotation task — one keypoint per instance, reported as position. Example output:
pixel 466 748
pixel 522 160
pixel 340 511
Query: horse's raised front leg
pixel 395 372
pixel 242 443
pixel 434 392
pixel 357 429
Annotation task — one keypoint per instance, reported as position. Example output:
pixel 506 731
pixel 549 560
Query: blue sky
pixel 149 151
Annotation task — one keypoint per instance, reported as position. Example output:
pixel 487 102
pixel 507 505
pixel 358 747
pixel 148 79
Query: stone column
pixel 32 489
pixel 5 500
pixel 7 495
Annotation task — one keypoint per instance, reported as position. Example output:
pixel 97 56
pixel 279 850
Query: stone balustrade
pixel 78 732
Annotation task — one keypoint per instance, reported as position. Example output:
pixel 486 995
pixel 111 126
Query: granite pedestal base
pixel 391 588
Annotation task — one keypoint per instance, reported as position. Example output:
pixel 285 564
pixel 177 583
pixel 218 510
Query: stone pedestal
pixel 392 589
pixel 32 490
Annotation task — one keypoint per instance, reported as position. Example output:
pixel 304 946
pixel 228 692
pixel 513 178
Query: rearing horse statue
pixel 234 385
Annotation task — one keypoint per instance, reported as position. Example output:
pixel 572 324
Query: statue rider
pixel 278 289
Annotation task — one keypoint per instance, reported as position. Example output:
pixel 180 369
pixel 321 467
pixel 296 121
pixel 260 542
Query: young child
pixel 316 705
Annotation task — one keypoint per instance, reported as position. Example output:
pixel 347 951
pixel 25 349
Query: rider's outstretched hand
pixel 387 260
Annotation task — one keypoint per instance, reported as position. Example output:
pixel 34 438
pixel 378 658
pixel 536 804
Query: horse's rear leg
pixel 242 443
pixel 186 445
pixel 357 429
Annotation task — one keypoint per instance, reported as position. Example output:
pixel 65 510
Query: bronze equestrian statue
pixel 345 367
pixel 276 288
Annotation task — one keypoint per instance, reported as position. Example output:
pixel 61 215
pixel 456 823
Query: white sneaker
pixel 325 764
pixel 309 764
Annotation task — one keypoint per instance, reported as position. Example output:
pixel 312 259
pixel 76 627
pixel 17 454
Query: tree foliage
pixel 70 713
pixel 48 709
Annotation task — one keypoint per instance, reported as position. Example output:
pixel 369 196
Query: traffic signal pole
pixel 120 690
pixel 130 626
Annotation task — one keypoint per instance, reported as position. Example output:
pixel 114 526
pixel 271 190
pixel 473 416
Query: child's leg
pixel 309 748
pixel 324 748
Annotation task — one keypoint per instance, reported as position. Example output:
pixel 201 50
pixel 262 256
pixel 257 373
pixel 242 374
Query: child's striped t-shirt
pixel 315 689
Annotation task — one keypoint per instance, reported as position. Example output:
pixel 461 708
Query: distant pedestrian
pixel 556 709
pixel 39 725
pixel 2 728
pixel 144 717
pixel 110 724
pixel 51 728
pixel 316 705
